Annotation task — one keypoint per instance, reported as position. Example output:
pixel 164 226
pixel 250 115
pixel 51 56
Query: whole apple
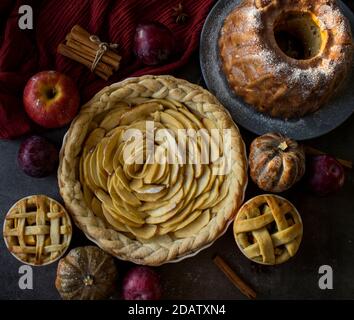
pixel 153 43
pixel 141 283
pixel 51 99
pixel 325 175
pixel 37 157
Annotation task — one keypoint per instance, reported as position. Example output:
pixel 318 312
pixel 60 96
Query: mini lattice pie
pixel 37 230
pixel 268 229
pixel 129 192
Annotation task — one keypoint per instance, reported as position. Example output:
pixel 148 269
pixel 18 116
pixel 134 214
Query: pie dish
pixel 37 230
pixel 286 58
pixel 268 229
pixel 151 212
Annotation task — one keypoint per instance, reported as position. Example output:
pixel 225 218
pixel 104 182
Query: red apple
pixel 325 175
pixel 141 283
pixel 51 99
pixel 154 43
pixel 37 157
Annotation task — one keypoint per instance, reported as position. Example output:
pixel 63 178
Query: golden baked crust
pixel 268 229
pixel 105 197
pixel 272 81
pixel 37 230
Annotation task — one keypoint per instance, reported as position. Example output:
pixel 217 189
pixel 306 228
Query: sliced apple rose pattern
pixel 146 170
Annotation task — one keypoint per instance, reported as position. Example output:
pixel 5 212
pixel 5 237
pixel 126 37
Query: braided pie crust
pixel 149 213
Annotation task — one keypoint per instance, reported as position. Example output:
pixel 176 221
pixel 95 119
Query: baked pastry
pixel 37 230
pixel 268 229
pixel 286 58
pixel 135 205
pixel 276 162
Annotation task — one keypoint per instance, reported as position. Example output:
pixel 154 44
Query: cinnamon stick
pixel 79 46
pixel 314 152
pixel 234 278
pixel 81 35
pixel 71 54
pixel 91 53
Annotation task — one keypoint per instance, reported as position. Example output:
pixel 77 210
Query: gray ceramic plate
pixel 319 123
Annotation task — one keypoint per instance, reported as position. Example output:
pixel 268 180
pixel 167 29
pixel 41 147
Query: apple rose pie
pixel 153 169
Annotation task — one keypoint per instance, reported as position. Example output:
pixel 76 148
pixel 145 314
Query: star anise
pixel 179 14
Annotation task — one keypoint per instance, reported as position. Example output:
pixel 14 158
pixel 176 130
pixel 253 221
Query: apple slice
pixel 110 148
pixel 211 180
pixel 138 186
pixel 191 217
pixel 193 228
pixel 170 122
pixel 123 215
pixel 165 217
pixel 182 214
pixel 166 103
pixel 174 173
pixel 94 139
pixel 200 200
pixel 140 112
pixel 113 117
pixel 145 232
pixel 177 187
pixel 192 117
pixel 181 118
pixel 121 178
pixel 87 173
pixel 124 194
pixel 148 206
pixel 151 197
pixel 203 181
pixel 165 208
pixel 93 169
pixel 101 172
pixel 116 224
pixel 213 196
pixel 96 207
pixel 191 193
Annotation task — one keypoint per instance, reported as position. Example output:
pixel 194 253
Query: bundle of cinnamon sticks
pixel 87 49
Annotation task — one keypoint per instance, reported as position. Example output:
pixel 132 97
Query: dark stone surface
pixel 328 236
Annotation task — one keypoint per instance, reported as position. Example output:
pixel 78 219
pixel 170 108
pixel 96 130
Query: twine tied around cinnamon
pixel 102 49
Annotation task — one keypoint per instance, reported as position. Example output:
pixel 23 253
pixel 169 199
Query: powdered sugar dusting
pixel 253 17
pixel 309 79
pixel 252 21
pixel 331 17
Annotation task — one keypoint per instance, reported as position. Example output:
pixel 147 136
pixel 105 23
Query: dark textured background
pixel 328 236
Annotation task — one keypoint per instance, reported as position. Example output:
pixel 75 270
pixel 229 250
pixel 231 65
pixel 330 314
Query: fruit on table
pixel 154 43
pixel 37 157
pixel 276 162
pixel 325 175
pixel 86 273
pixel 51 99
pixel 141 283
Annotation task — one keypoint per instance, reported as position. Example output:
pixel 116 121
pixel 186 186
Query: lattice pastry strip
pixel 37 230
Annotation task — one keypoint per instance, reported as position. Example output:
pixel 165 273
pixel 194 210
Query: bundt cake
pixel 286 58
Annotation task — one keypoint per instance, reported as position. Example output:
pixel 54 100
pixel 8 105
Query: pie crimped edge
pixel 116 243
